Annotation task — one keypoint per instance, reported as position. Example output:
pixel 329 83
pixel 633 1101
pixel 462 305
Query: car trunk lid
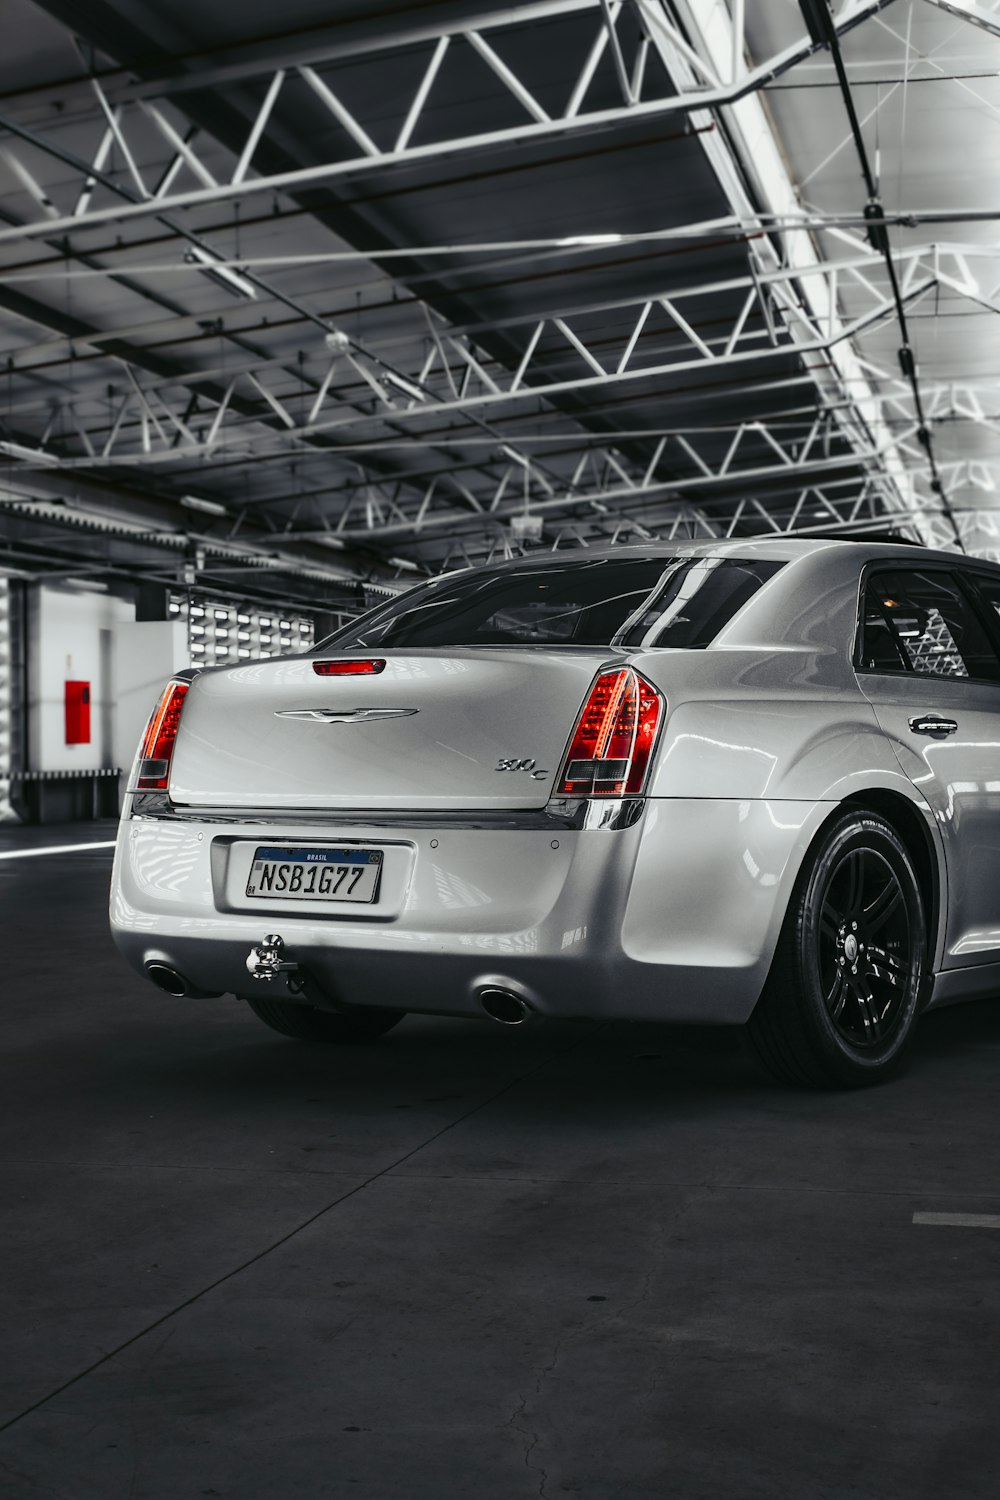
pixel 431 730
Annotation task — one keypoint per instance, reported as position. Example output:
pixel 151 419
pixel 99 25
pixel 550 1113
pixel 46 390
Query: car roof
pixel 775 549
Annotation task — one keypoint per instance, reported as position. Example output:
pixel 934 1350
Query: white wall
pixel 145 654
pixel 70 635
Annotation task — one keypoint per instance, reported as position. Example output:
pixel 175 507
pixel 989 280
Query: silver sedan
pixel 747 783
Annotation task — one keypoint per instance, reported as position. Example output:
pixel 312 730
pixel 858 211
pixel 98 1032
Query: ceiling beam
pixel 368 159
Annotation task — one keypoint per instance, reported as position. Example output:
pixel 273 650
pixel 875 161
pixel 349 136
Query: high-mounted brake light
pixel 358 668
pixel 614 737
pixel 158 741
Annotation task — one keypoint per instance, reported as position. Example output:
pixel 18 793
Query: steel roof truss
pixel 707 91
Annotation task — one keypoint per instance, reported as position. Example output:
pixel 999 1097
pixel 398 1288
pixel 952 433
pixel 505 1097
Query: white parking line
pixel 53 849
pixel 962 1221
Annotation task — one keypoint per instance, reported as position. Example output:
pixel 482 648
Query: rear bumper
pixel 674 918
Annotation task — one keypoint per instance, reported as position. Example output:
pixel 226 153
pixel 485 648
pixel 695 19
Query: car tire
pixel 845 987
pixel 307 1024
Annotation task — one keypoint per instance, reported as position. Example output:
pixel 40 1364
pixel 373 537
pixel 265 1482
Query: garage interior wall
pixel 71 638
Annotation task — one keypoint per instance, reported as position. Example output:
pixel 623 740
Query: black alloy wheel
pixel 847 979
pixel 308 1024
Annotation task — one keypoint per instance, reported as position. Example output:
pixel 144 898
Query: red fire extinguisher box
pixel 78 713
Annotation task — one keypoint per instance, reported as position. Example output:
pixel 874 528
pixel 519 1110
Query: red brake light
pixel 158 741
pixel 348 668
pixel 614 736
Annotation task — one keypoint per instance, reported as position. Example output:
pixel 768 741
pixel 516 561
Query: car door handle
pixel 933 724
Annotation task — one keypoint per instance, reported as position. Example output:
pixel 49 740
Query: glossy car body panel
pixel 739 727
pixel 464 711
pixel 959 776
pixel 672 912
pixel 606 923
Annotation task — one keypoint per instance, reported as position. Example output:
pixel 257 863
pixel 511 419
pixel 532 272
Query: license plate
pixel 316 874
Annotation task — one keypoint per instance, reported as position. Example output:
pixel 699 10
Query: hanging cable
pixel 820 24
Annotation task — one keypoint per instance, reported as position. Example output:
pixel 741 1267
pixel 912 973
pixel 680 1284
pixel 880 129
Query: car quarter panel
pixel 711 887
pixel 959 775
pixel 746 724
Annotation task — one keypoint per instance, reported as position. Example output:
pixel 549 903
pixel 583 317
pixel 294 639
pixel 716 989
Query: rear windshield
pixel 654 601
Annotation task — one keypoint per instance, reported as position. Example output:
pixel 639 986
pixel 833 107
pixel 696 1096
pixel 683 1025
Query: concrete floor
pixel 469 1263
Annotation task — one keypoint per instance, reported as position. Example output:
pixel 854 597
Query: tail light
pixel 158 741
pixel 614 737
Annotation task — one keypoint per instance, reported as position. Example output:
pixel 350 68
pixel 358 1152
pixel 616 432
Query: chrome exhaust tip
pixel 168 979
pixel 504 1006
pixel 173 983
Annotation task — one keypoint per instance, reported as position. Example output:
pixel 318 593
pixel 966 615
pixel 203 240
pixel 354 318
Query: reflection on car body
pixel 748 782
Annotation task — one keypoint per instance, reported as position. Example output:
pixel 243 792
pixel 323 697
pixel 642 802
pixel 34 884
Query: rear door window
pixel 987 590
pixel 923 622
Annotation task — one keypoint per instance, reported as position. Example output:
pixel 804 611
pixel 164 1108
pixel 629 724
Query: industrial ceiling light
pixel 210 507
pixel 526 527
pixel 223 275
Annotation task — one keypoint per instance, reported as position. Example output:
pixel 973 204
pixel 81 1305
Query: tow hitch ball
pixel 265 961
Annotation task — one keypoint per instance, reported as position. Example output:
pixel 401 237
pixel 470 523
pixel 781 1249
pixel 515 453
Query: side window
pixel 920 622
pixel 988 590
pixel 879 648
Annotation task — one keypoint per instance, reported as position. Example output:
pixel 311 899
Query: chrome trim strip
pixel 560 813
pixel 345 716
